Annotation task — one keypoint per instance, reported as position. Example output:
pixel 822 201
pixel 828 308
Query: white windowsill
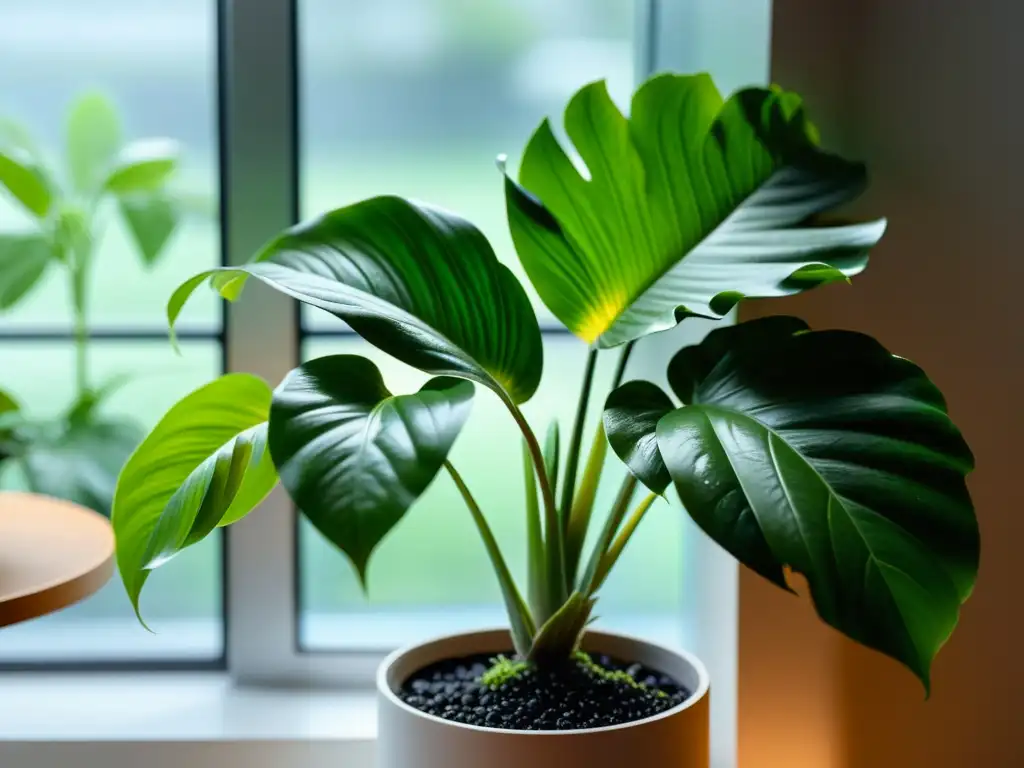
pixel 123 720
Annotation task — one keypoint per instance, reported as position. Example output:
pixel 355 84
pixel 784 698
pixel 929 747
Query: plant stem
pixel 77 275
pixel 615 550
pixel 536 590
pixel 573 457
pixel 620 369
pixel 582 505
pixel 611 527
pixel 554 546
pixel 523 626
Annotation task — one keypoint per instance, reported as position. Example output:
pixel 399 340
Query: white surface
pixel 174 720
pixel 174 706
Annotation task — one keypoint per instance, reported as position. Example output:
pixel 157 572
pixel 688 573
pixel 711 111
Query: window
pixel 417 99
pixel 321 103
pixel 156 61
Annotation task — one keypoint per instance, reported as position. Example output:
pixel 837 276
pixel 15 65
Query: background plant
pixel 817 451
pixel 78 454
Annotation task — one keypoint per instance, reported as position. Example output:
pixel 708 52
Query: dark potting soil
pixel 562 699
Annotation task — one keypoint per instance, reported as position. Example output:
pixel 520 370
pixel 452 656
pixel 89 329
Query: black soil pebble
pixel 562 699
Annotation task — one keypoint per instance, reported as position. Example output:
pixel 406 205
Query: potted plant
pixel 77 455
pixel 816 451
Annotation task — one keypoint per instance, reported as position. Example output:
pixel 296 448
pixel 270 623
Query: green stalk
pixel 536 592
pixel 611 526
pixel 615 550
pixel 77 278
pixel 583 505
pixel 554 547
pixel 620 369
pixel 522 624
pixel 573 457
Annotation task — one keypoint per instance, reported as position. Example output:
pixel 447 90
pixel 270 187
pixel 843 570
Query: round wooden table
pixel 52 554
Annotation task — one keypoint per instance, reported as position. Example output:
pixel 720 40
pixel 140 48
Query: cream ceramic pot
pixel 409 738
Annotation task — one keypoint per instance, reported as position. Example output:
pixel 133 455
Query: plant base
pixel 409 737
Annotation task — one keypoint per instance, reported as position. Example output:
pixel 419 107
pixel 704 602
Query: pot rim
pixel 384 689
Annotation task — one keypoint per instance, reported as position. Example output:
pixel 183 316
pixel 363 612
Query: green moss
pixel 502 671
pixel 614 676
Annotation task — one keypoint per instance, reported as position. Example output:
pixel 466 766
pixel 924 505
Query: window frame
pixel 260 54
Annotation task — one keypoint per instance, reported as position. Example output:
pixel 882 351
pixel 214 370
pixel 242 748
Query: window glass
pixel 418 97
pixel 156 62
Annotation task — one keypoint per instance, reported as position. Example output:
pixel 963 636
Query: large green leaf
pixel 143 166
pixel 78 462
pixel 93 139
pixel 204 465
pixel 353 456
pixel 687 207
pixel 151 218
pixel 23 261
pixel 631 415
pixel 418 282
pixel 823 452
pixel 26 181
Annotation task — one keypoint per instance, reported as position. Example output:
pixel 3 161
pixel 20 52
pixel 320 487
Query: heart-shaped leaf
pixel 688 206
pixel 26 181
pixel 631 415
pixel 353 456
pixel 151 219
pixel 822 452
pixel 418 282
pixel 93 139
pixel 143 166
pixel 23 262
pixel 204 465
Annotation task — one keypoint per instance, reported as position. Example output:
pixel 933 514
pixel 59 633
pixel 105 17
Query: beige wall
pixel 930 92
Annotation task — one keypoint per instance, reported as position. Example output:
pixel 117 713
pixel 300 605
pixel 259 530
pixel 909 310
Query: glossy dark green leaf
pixel 78 462
pixel 822 452
pixel 631 414
pixel 687 207
pixel 93 139
pixel 204 465
pixel 151 220
pixel 418 282
pixel 23 261
pixel 143 166
pixel 353 456
pixel 26 182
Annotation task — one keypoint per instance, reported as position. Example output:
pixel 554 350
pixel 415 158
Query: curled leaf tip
pixel 172 336
pixel 138 615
